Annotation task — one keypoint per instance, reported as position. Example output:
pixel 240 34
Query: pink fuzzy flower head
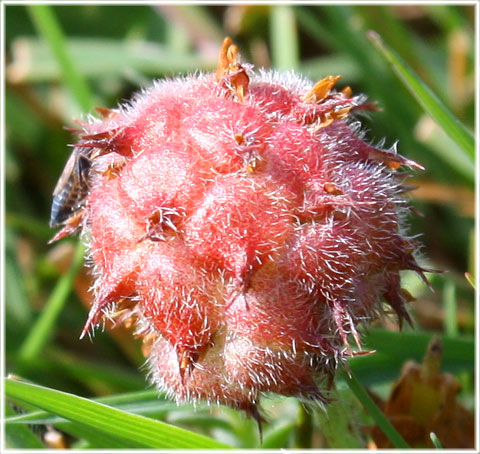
pixel 240 219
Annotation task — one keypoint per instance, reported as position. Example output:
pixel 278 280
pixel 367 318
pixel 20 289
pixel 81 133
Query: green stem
pixel 304 428
pixel 19 436
pixel 107 420
pixel 435 440
pixel 44 326
pixel 48 27
pixel 284 39
pixel 383 423
pixel 426 98
pixel 450 307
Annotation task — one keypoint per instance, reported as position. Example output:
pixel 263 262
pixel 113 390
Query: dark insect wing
pixel 71 187
pixel 61 191
pixel 61 206
pixel 66 173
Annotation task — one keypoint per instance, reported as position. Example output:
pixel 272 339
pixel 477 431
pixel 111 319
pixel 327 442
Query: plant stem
pixel 304 428
pixel 450 308
pixel 48 27
pixel 284 37
pixel 395 438
pixel 44 326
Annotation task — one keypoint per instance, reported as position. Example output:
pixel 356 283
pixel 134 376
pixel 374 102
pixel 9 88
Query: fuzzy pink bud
pixel 243 222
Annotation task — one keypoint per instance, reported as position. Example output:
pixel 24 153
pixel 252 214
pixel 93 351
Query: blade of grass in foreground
pixel 395 438
pixel 20 437
pixel 148 432
pixel 139 402
pixel 426 98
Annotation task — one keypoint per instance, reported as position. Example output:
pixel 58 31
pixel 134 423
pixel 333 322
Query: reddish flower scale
pixel 245 226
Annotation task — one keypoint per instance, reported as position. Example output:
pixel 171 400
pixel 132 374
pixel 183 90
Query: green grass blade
pixel 99 58
pixel 393 349
pixel 44 327
pixel 450 308
pixel 440 143
pixel 97 376
pixel 153 409
pixel 28 225
pixel 283 38
pixel 20 436
pixel 413 345
pixel 395 438
pixel 387 22
pixel 426 98
pixel 447 17
pixel 95 438
pixel 17 307
pixel 131 402
pixel 309 24
pixel 435 440
pixel 114 422
pixel 375 77
pixel 48 26
pixel 278 437
pixel 304 428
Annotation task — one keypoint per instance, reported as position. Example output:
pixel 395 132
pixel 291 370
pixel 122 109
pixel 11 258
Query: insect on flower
pixel 73 185
pixel 71 188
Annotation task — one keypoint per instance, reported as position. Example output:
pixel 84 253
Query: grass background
pixel 64 60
